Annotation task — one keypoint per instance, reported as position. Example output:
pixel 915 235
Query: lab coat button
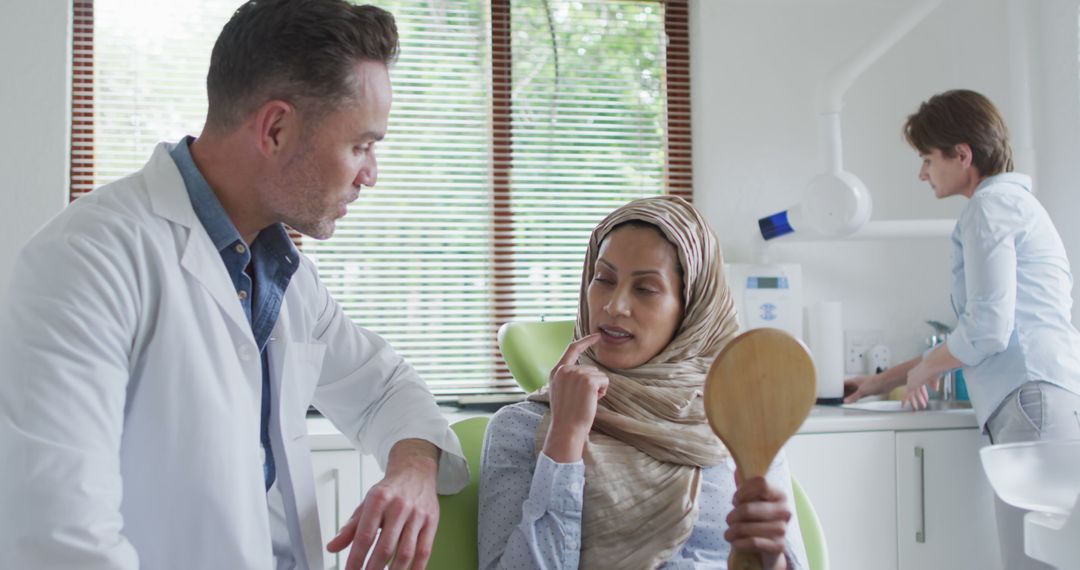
pixel 244 353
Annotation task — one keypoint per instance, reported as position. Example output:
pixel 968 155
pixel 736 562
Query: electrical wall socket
pixel 878 358
pixel 857 345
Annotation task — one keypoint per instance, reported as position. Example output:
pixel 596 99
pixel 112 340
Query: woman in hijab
pixel 613 464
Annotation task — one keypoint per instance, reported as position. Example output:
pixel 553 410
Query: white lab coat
pixel 130 393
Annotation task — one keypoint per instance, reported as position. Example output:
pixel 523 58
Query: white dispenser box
pixel 825 329
pixel 767 295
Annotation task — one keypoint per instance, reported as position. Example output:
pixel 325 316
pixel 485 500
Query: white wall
pixel 1057 119
pixel 35 111
pixel 755 67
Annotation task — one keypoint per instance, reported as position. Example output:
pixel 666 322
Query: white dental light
pixel 836 204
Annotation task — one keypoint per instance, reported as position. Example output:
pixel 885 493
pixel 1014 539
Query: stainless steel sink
pixel 895 406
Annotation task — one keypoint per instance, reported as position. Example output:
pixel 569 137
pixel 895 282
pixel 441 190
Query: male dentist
pixel 162 338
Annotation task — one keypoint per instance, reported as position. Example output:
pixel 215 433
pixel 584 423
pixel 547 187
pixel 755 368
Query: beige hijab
pixel 651 438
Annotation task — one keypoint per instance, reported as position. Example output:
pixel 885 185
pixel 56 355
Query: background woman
pixel 1011 292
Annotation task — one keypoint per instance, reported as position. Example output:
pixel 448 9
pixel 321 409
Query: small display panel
pixel 766 283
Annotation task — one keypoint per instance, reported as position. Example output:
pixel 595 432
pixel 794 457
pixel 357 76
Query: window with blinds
pixel 516 126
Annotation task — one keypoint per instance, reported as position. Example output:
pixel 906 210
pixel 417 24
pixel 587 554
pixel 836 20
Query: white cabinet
pixel 945 505
pixel 849 477
pixel 337 490
pixel 900 499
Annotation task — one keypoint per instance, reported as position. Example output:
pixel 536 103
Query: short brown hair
pixel 300 51
pixel 957 117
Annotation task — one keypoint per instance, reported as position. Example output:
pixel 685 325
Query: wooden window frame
pixel 678 167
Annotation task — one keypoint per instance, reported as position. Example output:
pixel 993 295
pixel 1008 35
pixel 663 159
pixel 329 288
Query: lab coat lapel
pixel 171 201
pixel 203 262
pixel 288 356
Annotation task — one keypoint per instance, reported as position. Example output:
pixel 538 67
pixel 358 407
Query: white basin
pixel 897 406
pixel 1035 475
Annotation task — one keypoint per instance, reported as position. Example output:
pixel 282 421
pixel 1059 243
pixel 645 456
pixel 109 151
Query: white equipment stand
pixel 1053 538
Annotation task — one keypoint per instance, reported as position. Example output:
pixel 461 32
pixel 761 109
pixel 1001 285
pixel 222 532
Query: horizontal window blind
pixel 587 123
pixel 588 134
pixel 140 70
pixel 516 126
pixel 412 260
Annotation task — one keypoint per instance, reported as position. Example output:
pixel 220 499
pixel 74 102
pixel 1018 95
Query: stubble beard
pixel 302 196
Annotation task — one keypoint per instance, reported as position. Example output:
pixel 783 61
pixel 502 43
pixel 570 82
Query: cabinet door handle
pixel 920 534
pixel 335 474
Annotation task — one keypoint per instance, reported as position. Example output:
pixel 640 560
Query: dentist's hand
pixel 574 391
pixel 403 505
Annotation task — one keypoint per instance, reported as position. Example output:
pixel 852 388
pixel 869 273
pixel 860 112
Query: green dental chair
pixel 532 348
pixel 455 546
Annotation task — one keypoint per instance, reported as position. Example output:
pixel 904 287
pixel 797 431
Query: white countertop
pixel 833 419
pixel 823 419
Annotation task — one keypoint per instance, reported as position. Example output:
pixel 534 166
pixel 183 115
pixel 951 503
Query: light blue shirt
pixel 530 506
pixel 1012 293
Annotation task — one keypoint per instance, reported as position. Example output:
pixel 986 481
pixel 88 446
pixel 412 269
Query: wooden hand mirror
pixel 757 395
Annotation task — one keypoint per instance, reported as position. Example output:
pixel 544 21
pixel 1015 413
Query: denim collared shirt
pixel 1012 293
pixel 259 273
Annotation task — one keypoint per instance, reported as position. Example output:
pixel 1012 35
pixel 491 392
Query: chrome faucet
pixel 946 389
